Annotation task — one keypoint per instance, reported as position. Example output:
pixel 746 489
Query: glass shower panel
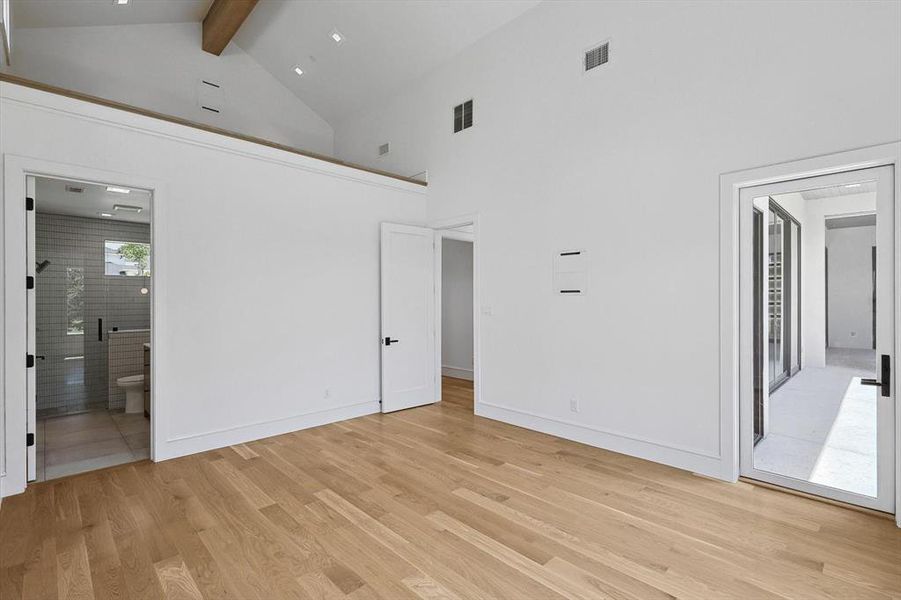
pixel 67 303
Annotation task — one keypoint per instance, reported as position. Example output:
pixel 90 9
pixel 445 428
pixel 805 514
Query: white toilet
pixel 134 392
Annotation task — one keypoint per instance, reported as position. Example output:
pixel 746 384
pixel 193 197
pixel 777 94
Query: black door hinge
pixel 29 282
pixel 29 203
pixel 29 360
pixel 29 440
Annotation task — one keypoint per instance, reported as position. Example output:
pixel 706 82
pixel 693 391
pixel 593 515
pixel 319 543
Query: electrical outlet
pixel 327 394
pixel 574 404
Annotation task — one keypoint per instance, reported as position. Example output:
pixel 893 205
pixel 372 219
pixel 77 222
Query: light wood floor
pixel 431 503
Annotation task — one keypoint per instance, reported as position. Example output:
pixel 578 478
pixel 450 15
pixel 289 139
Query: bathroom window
pixel 74 301
pixel 127 259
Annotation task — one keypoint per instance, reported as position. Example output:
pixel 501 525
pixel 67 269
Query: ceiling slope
pixel 387 44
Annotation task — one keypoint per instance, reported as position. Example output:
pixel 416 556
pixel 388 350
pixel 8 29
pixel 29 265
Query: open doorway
pixel 820 266
pixel 417 365
pixel 457 338
pixel 89 326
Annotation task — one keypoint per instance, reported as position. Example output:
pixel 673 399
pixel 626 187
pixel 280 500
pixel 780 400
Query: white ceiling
pixel 81 13
pixel 862 187
pixel 388 43
pixel 51 196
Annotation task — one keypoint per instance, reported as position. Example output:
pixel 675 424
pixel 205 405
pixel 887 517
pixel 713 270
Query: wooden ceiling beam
pixel 222 22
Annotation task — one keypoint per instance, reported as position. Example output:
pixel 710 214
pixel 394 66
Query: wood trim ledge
pixel 4 77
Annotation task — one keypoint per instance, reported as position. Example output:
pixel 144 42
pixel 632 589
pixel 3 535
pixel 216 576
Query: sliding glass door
pixel 783 293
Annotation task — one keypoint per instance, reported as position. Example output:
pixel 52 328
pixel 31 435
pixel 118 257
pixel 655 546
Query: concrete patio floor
pixel 822 425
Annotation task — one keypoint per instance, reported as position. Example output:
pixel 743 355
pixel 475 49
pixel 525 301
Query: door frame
pixel 444 229
pixel 885 499
pixel 731 185
pixel 13 469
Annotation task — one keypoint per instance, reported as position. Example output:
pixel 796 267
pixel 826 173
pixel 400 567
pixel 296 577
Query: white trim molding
pixel 457 372
pixel 667 454
pixel 39 100
pixel 731 185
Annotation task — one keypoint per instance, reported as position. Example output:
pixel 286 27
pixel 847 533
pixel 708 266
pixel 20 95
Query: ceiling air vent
pixel 463 116
pixel 74 189
pixel 384 149
pixel 597 56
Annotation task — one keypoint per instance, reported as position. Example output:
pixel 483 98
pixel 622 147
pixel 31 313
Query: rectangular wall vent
pixel 463 116
pixel 384 149
pixel 74 189
pixel 597 56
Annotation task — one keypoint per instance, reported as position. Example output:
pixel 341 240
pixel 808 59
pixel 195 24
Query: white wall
pixel 158 67
pixel 850 290
pixel 625 162
pixel 266 271
pixel 456 308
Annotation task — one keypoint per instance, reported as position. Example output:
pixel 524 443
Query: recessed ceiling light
pixel 120 2
pixel 337 36
pixel 127 208
pixel 105 214
pixel 117 190
pixel 853 185
pixel 298 70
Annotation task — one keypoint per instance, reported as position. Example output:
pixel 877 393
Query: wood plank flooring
pixel 431 503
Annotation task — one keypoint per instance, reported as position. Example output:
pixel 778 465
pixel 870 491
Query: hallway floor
pixel 88 441
pixel 822 425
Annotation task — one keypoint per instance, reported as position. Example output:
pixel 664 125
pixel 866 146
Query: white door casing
pixel 407 316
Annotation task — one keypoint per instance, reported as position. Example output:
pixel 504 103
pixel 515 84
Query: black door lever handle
pixel 886 383
pixel 389 341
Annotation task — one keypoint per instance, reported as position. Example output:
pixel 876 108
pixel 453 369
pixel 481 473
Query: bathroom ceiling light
pixel 298 70
pixel 337 36
pixel 120 2
pixel 117 190
pixel 853 185
pixel 105 214
pixel 127 208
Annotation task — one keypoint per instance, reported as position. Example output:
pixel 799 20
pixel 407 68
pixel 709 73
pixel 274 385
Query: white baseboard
pixel 220 439
pixel 457 372
pixel 688 460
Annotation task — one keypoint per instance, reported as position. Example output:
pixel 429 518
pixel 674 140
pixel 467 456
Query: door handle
pixel 389 341
pixel 886 383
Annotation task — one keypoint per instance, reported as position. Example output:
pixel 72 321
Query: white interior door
pixel 408 317
pixel 31 378
pixel 830 427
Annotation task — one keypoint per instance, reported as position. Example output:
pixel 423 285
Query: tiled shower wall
pixel 126 357
pixel 65 382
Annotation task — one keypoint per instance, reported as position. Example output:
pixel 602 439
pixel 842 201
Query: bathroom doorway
pixel 89 316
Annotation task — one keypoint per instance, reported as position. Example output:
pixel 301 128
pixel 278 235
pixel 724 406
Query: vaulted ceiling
pixel 387 43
